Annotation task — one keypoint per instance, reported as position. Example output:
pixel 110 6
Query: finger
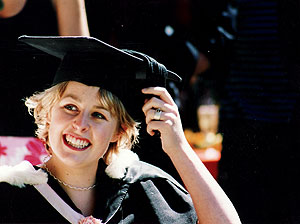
pixel 150 116
pixel 153 102
pixel 160 126
pixel 161 92
pixel 163 117
pixel 157 103
pixel 153 126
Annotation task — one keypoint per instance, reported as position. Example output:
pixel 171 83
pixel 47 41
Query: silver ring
pixel 157 114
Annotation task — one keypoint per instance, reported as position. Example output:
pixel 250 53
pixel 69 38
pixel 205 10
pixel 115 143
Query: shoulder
pixel 25 205
pixel 12 192
pixel 127 167
pixel 156 184
pixel 16 181
pixel 14 202
pixel 19 200
pixel 142 171
pixel 22 174
pixel 8 189
pixel 156 195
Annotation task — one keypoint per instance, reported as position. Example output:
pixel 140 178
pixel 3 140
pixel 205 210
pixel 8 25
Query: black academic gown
pixel 146 194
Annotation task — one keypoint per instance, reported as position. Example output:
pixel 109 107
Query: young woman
pixel 92 176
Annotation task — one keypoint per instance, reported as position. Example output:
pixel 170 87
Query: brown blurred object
pixel 201 140
pixel 208 147
pixel 208 118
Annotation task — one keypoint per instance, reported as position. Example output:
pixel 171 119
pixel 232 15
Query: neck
pixel 73 177
pixel 82 180
pixel 84 200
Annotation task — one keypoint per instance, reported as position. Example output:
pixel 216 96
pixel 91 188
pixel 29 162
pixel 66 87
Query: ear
pixel 115 137
pixel 119 134
pixel 48 117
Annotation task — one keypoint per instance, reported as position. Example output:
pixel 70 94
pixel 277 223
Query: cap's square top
pixel 96 63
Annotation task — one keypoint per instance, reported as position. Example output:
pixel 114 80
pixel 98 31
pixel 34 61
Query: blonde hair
pixel 40 104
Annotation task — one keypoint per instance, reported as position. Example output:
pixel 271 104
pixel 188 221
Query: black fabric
pixel 260 153
pixel 96 63
pixel 88 55
pixel 36 18
pixel 257 87
pixel 145 195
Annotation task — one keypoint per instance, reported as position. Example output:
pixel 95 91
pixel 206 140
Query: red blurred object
pixel 208 147
pixel 14 150
pixel 210 158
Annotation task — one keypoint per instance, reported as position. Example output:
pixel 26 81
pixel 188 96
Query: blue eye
pixel 70 107
pixel 98 115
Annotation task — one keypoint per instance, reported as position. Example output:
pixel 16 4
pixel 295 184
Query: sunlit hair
pixel 40 104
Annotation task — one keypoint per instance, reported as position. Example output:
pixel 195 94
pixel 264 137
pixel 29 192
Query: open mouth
pixel 74 143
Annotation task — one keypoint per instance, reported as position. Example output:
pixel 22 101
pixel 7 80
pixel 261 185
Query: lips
pixel 75 143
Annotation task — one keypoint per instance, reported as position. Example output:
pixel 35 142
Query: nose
pixel 81 122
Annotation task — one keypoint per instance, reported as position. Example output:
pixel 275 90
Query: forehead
pixel 79 90
pixel 85 94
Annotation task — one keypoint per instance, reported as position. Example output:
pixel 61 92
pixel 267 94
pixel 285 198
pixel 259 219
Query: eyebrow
pixel 76 98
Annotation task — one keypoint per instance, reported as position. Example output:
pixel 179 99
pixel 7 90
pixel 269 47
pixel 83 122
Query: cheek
pixel 55 126
pixel 105 132
pixel 58 118
pixel 56 122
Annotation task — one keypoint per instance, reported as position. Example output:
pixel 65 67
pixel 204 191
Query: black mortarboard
pixel 96 63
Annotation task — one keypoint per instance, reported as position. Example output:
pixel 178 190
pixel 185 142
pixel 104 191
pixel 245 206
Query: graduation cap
pixel 96 63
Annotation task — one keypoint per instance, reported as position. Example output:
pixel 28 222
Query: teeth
pixel 77 143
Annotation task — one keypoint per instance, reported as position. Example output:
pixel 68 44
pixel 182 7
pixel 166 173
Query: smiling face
pixel 80 128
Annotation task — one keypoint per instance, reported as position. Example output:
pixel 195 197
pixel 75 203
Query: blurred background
pixel 239 99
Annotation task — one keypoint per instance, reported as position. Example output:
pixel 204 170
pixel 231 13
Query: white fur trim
pixel 117 168
pixel 21 174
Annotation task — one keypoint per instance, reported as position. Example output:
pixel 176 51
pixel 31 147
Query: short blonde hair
pixel 40 104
